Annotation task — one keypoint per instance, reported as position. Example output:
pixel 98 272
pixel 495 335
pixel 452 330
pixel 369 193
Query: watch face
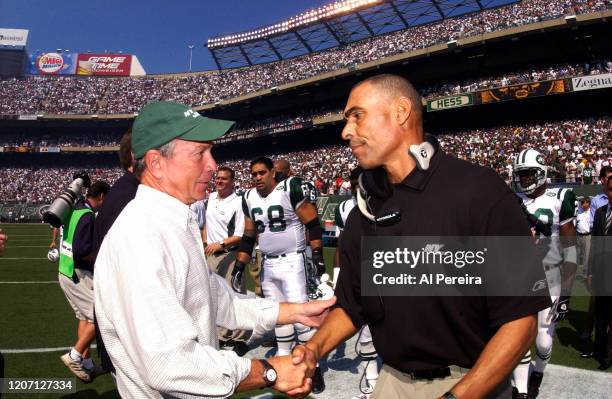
pixel 271 375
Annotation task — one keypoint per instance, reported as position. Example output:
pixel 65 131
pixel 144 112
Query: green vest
pixel 66 261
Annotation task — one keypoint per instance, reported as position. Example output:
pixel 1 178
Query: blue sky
pixel 158 32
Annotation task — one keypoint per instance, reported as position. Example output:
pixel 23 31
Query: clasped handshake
pixel 294 372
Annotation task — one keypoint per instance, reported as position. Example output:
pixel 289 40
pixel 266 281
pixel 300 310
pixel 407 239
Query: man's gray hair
pixel 165 150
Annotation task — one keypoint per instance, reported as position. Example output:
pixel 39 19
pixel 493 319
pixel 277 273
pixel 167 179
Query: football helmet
pixel 53 255
pixel 529 171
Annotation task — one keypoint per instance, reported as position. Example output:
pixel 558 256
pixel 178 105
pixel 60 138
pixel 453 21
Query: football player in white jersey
pixel 365 347
pixel 554 208
pixel 278 214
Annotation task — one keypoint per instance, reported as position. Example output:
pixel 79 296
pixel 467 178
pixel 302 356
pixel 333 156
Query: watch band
pixel 449 395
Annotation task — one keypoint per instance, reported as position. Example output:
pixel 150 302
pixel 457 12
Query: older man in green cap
pixel 157 303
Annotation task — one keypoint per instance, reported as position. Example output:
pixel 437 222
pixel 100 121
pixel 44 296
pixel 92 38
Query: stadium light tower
pixel 191 46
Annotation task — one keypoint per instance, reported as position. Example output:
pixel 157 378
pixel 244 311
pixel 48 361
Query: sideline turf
pixel 38 316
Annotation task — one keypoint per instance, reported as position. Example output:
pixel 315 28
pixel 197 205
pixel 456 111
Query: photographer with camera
pixel 76 272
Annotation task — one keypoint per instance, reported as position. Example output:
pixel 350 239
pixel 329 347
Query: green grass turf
pixel 38 316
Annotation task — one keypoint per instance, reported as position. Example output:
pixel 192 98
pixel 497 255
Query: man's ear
pixel 154 161
pixel 402 109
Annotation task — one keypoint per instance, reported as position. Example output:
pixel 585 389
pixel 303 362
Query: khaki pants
pixel 254 268
pixel 583 242
pixel 80 295
pixel 393 384
pixel 223 264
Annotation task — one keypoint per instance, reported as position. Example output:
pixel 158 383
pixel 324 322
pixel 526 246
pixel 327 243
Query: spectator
pixel 119 95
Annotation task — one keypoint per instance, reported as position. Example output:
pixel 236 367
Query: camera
pixel 60 208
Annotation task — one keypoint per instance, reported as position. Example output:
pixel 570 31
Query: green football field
pixel 36 322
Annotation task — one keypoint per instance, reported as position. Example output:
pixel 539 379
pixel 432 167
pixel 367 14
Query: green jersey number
pixel 545 216
pixel 276 219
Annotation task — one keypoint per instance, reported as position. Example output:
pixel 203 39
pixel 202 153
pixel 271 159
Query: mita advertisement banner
pixel 13 37
pixel 104 64
pixel 592 82
pixel 52 63
pixel 59 63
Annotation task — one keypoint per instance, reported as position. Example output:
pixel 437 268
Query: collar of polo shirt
pixel 418 179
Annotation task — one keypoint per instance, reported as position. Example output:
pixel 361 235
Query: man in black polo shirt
pixel 467 346
pixel 122 192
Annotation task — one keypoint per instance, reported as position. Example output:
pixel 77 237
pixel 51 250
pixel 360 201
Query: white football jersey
pixel 342 212
pixel 279 229
pixel 555 208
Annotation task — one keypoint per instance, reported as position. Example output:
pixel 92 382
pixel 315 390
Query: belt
pixel 282 255
pixel 430 374
pixel 226 250
pixel 584 234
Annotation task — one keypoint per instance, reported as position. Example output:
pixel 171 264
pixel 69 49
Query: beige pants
pixel 255 272
pixel 584 249
pixel 393 384
pixel 223 264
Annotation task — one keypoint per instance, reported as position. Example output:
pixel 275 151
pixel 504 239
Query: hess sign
pixel 449 102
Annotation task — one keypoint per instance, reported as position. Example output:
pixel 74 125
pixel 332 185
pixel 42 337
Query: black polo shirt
pixel 122 192
pixel 82 242
pixel 451 198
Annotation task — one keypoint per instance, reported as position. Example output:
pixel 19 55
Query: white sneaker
pixel 76 367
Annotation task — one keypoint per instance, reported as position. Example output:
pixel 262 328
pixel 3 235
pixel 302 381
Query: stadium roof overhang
pixel 379 18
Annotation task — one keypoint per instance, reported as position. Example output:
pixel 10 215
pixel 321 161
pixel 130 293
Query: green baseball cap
pixel 160 122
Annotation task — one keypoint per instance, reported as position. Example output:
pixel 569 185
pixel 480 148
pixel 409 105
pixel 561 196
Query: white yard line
pixel 38 350
pixel 29 282
pixel 29 246
pixel 3 258
pixel 10 240
pixel 30 235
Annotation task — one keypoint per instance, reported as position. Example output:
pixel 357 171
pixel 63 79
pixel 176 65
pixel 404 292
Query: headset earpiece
pixel 422 154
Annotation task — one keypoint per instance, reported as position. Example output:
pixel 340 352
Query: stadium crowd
pixel 88 95
pixel 570 145
pixel 524 76
pixel 50 140
pixel 42 185
pixel 517 77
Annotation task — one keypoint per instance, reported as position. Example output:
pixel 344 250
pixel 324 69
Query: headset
pixel 373 183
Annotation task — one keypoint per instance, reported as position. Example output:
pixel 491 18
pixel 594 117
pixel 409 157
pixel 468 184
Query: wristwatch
pixel 449 395
pixel 222 243
pixel 269 374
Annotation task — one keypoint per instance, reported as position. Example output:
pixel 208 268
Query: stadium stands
pixel 68 95
pixel 567 143
pixel 535 74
